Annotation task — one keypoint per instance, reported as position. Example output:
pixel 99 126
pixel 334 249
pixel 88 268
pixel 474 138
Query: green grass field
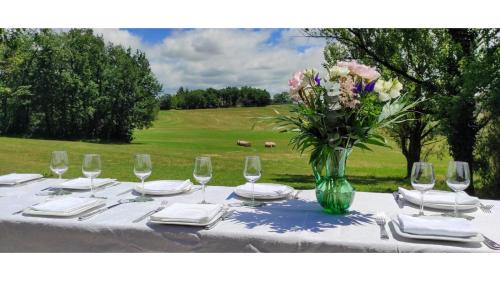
pixel 180 135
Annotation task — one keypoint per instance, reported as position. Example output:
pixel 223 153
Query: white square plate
pixel 216 217
pixel 277 195
pixel 166 191
pixel 84 183
pixel 33 212
pixel 475 239
pixel 14 178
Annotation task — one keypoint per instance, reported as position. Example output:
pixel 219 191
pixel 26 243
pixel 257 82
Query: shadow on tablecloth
pixel 297 215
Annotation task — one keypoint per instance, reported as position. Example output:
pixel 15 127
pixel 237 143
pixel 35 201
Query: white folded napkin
pixel 65 205
pixel 438 197
pixel 84 183
pixel 263 189
pixel 454 227
pixel 190 213
pixel 166 186
pixel 14 178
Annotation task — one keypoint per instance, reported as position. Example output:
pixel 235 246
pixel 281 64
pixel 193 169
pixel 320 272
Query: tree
pixel 282 98
pixel 165 102
pixel 482 77
pixel 213 98
pixel 71 85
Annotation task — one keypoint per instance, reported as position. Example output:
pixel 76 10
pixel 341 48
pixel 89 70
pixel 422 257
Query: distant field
pixel 180 135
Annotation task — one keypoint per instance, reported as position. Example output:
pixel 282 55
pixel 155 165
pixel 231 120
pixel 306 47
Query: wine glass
pixel 202 173
pixel 91 168
pixel 458 178
pixel 142 169
pixel 422 179
pixel 59 164
pixel 252 174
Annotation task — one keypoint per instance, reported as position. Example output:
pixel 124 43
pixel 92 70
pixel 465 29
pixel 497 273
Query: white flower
pixel 338 71
pixel 334 90
pixel 396 88
pixel 310 73
pixel 387 90
pixel 379 86
pixel 383 96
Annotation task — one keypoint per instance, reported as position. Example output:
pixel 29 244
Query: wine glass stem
pixel 456 203
pixel 253 194
pixel 91 187
pixel 143 191
pixel 203 192
pixel 60 176
pixel 421 204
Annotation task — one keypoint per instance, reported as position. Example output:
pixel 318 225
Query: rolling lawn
pixel 180 135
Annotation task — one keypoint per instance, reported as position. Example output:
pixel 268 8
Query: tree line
pixel 457 71
pixel 72 85
pixel 220 98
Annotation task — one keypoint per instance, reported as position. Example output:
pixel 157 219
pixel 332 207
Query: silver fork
pixel 163 205
pixel 124 192
pixel 380 220
pixel 296 195
pixel 224 216
pixel 485 208
pixel 490 243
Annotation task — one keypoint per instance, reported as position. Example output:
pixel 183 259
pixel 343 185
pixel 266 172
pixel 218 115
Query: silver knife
pixel 148 214
pixel 98 211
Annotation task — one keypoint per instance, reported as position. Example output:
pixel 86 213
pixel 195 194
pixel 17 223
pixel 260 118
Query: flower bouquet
pixel 331 116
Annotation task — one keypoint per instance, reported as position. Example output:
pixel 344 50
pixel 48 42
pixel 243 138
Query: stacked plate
pixel 436 228
pixel 84 183
pixel 14 178
pixel 164 187
pixel 189 214
pixel 64 207
pixel 443 200
pixel 264 191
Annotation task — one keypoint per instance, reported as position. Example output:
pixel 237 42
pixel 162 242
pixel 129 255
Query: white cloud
pixel 120 37
pixel 202 58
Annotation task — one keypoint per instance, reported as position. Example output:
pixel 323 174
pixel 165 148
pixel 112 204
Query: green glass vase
pixel 333 192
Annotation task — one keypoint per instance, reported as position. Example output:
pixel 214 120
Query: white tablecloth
pixel 285 226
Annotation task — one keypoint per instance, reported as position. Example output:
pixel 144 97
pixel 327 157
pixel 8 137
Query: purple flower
pixel 358 88
pixel 370 86
pixel 317 79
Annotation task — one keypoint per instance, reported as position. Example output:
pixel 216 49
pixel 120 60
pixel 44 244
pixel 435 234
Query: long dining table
pixel 291 225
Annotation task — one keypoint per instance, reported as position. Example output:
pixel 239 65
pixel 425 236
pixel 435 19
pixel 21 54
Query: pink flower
pixel 296 82
pixel 347 97
pixel 361 70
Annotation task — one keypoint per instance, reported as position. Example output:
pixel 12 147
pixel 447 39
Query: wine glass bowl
pixel 143 168
pixel 202 173
pixel 91 168
pixel 59 164
pixel 422 179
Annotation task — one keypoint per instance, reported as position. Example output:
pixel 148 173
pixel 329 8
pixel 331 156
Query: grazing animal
pixel 269 144
pixel 244 143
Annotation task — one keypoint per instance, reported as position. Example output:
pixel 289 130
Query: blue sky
pixel 202 58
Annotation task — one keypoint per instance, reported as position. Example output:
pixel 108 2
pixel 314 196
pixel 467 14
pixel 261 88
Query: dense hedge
pixel 71 85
